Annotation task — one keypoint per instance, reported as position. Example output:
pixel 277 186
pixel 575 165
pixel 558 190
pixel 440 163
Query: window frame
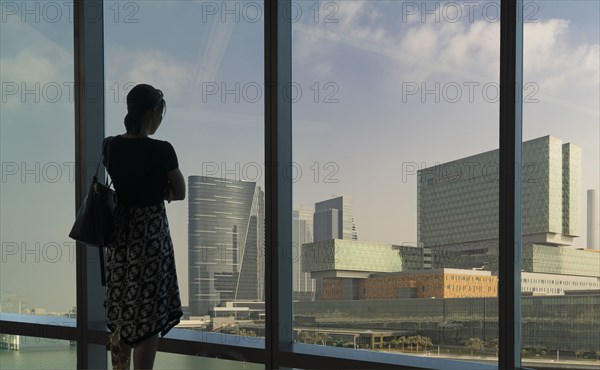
pixel 278 350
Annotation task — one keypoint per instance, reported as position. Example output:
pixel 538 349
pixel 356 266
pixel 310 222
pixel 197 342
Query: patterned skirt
pixel 142 293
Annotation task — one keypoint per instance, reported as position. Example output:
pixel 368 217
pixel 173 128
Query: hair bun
pixel 140 99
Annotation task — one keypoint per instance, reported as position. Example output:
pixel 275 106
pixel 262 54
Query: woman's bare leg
pixel 144 353
pixel 121 358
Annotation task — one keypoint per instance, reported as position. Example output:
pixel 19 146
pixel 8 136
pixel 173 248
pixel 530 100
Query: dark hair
pixel 139 100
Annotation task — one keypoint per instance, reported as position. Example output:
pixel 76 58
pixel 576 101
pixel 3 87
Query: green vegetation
pixel 474 345
pixel 415 343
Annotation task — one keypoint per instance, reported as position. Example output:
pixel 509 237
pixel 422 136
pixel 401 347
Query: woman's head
pixel 145 106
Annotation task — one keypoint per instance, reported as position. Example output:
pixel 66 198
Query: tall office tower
pixel 303 286
pixel 225 242
pixel 333 220
pixel 458 203
pixel 593 225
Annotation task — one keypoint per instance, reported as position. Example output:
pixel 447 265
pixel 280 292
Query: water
pixel 43 353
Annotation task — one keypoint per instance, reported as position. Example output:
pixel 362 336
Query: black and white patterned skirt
pixel 142 292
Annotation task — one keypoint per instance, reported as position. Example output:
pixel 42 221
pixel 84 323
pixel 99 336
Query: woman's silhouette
pixel 142 292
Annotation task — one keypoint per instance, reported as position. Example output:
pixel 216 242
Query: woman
pixel 142 293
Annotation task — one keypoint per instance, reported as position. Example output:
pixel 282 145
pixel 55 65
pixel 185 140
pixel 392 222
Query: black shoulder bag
pixel 95 219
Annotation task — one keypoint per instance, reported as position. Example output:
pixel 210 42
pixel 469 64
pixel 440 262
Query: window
pixel 38 175
pixel 404 98
pixel 560 87
pixel 207 60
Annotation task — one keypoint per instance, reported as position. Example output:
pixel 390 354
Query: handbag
pixel 94 222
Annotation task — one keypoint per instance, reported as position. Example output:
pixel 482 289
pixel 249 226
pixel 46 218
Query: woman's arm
pixel 176 186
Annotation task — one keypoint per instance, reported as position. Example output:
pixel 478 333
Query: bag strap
pixel 107 145
pixel 108 160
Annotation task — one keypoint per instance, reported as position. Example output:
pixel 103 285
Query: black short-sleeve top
pixel 138 168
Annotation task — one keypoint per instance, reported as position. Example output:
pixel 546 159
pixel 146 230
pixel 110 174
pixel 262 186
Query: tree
pixel 543 353
pixel 474 345
pixel 323 338
pixel 418 341
pixel 395 343
pixel 411 342
pixel 402 341
pixel 524 352
pixel 343 342
pixel 598 355
pixel 426 342
pixel 578 353
pixel 306 337
pixel 247 333
pixel 415 341
pixel 494 343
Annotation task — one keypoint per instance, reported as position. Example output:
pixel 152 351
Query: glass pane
pixel 396 193
pixel 172 361
pixel 207 58
pixel 560 280
pixel 37 154
pixel 21 352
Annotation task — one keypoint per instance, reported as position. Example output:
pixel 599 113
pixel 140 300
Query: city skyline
pixel 369 144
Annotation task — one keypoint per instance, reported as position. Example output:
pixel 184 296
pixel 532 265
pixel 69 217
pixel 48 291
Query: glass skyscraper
pixel 225 242
pixel 302 225
pixel 333 220
pixel 457 203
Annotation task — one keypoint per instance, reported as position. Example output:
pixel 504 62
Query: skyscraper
pixel 225 242
pixel 592 219
pixel 458 203
pixel 333 220
pixel 302 226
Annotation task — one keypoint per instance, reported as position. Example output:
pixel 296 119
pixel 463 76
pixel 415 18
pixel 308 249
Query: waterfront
pixel 46 354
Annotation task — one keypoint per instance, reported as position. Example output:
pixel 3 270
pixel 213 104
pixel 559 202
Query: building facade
pixel 304 287
pixel 458 203
pixel 553 284
pixel 225 242
pixel 561 322
pixel 450 283
pixel 333 219
pixel 441 283
pixel 354 258
pixel 563 261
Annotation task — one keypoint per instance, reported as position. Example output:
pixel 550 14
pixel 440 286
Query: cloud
pixel 159 69
pixel 30 66
pixel 36 64
pixel 567 73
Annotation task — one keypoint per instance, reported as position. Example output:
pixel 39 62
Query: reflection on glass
pixel 37 269
pixel 560 282
pixel 171 361
pixel 208 61
pixel 396 194
pixel 21 352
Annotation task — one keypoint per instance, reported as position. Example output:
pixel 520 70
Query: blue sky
pixel 370 134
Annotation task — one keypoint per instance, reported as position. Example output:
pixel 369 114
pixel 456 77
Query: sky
pixel 380 88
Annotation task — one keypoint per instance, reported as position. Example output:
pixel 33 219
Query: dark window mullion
pixel 278 186
pixel 509 243
pixel 89 133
